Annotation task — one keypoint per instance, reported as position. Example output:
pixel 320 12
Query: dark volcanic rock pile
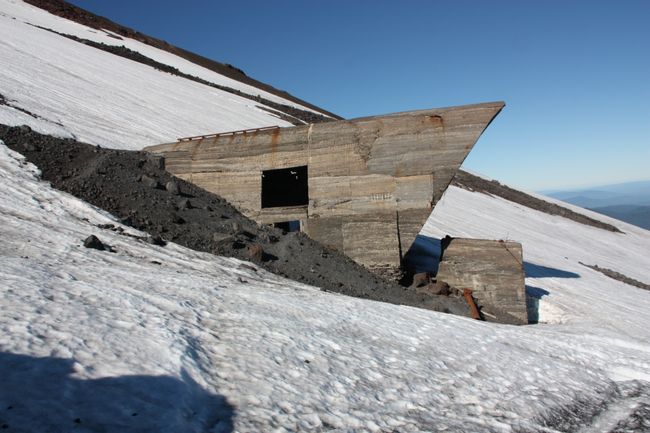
pixel 135 187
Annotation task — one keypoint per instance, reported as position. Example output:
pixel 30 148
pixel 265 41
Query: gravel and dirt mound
pixel 74 13
pixel 135 187
pixel 492 187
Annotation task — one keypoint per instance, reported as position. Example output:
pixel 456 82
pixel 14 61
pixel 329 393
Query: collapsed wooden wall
pixel 372 181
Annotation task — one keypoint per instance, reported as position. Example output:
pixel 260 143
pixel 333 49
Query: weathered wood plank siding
pixel 372 181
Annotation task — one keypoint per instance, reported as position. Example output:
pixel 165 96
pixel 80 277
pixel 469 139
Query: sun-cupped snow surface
pixel 70 89
pixel 39 17
pixel 150 338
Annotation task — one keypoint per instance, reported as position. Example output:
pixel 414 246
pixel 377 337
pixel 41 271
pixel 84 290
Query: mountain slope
pixel 554 248
pixel 81 16
pixel 151 338
pixel 110 100
pixel 95 337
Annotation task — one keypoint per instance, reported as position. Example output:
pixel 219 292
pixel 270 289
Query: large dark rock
pixel 93 242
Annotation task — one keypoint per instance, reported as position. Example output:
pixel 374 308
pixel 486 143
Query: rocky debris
pixel 6 102
pixel 434 287
pixel 127 190
pixel 492 187
pixel 442 288
pixel 156 240
pixel 149 181
pixel 255 252
pixel 172 187
pixel 421 279
pixel 93 242
pixel 618 276
pixel 220 237
pixel 184 204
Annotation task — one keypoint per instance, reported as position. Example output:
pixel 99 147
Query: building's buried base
pixel 493 270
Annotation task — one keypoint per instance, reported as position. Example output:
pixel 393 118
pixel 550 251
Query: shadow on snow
pixel 424 256
pixel 42 394
pixel 538 271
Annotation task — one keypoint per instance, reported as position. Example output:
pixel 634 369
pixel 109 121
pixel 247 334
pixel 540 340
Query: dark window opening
pixel 288 226
pixel 285 187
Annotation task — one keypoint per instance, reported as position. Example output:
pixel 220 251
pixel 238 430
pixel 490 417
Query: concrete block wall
pixel 492 269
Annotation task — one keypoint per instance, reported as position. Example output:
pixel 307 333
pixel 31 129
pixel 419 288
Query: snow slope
pixel 167 339
pixel 74 90
pixel 553 249
pixel 173 336
pixel 38 17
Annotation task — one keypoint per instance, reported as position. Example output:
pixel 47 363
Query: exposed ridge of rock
pixel 471 182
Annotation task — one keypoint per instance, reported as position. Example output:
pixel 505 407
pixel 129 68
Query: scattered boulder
pixel 440 288
pixel 255 252
pixel 158 162
pixel 219 237
pixel 29 147
pixel 184 204
pixel 246 234
pixel 421 279
pixel 93 241
pixel 172 187
pixel 156 240
pixel 148 181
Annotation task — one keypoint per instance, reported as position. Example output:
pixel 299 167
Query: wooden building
pixel 363 186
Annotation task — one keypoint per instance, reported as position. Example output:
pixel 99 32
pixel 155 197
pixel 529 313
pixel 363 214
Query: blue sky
pixel 575 75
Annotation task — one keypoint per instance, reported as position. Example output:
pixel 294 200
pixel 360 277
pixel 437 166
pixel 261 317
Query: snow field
pixel 283 356
pixel 586 300
pixel 105 99
pixel 39 17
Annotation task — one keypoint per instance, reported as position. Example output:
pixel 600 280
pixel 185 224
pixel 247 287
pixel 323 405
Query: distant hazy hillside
pixel 629 202
pixel 637 215
pixel 630 193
